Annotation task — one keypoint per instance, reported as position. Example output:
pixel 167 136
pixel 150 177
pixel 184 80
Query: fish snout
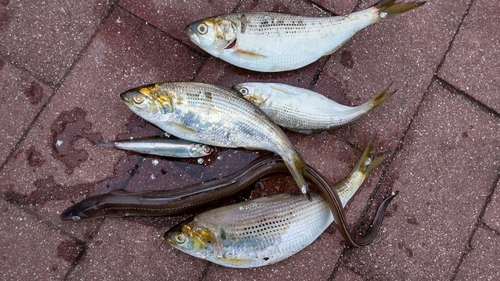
pixel 124 97
pixel 167 238
pixel 127 97
pixel 192 33
pixel 190 29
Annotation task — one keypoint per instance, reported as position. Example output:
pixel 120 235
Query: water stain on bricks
pixel 69 250
pixel 34 157
pixel 346 59
pixel 45 190
pixel 34 93
pixel 139 128
pixel 4 3
pixel 408 251
pixel 121 171
pixel 66 129
pixel 412 221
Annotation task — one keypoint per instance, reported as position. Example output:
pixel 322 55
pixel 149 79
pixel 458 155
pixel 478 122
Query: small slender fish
pixel 266 230
pixel 213 115
pixel 272 42
pixel 163 147
pixel 302 110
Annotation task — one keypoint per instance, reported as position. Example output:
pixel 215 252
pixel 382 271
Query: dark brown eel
pixel 121 203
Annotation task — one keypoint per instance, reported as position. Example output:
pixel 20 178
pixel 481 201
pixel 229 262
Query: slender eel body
pixel 213 115
pixel 272 42
pixel 163 147
pixel 302 110
pixel 266 230
pixel 121 203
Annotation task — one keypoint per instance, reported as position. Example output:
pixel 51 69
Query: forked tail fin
pixel 388 8
pixel 381 97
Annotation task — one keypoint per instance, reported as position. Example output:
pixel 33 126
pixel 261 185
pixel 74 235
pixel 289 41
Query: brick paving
pixel 63 66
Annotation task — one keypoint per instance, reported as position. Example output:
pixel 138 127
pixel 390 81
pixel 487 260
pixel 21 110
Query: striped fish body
pixel 271 42
pixel 265 230
pixel 213 115
pixel 258 232
pixel 302 110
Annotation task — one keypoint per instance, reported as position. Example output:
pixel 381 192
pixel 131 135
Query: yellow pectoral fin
pixel 183 128
pixel 249 54
pixel 234 260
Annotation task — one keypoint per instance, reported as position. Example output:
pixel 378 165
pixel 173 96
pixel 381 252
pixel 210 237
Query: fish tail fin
pixel 297 166
pixel 388 8
pixel 378 99
pixel 363 168
pixel 365 160
pixel 375 162
pixel 107 144
pixel 367 164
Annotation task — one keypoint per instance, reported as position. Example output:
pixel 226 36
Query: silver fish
pixel 302 110
pixel 163 147
pixel 272 42
pixel 213 115
pixel 266 230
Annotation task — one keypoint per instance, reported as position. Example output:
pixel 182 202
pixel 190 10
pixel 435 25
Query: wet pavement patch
pixel 69 250
pixel 140 128
pixel 34 93
pixel 69 127
pixel 346 59
pixel 46 190
pixel 34 157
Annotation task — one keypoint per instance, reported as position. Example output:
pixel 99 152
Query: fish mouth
pixel 189 29
pixel 125 98
pixel 191 32
pixel 167 238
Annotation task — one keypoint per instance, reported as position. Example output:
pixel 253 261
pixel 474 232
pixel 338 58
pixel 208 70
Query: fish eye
pixel 244 91
pixel 202 28
pixel 180 238
pixel 207 149
pixel 138 98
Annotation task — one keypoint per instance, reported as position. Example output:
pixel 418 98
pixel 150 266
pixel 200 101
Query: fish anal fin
pixel 302 131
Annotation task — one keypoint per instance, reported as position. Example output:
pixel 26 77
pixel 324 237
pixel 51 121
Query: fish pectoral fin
pixel 234 260
pixel 248 54
pixel 184 128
